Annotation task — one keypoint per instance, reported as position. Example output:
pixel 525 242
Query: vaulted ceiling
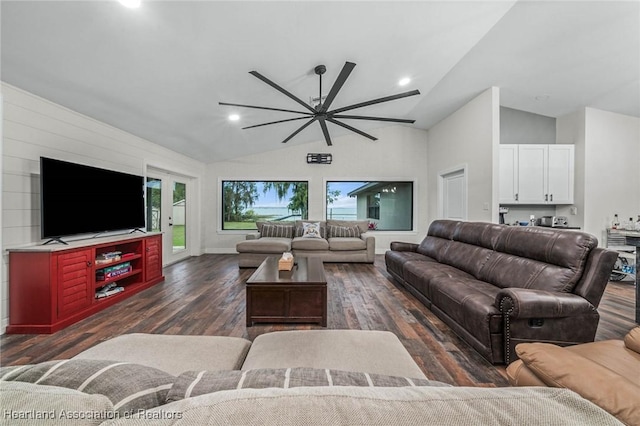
pixel 159 71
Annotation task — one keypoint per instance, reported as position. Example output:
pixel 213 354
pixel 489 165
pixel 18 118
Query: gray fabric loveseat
pixel 334 241
pixel 315 377
pixel 497 285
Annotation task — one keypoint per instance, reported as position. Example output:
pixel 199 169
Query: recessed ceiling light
pixel 132 4
pixel 404 81
pixel 234 117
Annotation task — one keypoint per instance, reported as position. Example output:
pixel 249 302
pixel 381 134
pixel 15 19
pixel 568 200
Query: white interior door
pixel 168 212
pixel 453 189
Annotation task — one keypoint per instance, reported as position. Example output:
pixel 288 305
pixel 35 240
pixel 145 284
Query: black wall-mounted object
pixel 316 158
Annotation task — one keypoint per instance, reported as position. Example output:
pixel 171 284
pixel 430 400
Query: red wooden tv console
pixel 51 287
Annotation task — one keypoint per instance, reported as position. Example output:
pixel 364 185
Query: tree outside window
pixel 246 202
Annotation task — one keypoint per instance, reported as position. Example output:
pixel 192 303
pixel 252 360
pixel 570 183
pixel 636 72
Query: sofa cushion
pixel 395 260
pixel 56 405
pixel 403 406
pixel 194 383
pixel 507 270
pixel 632 340
pixel 277 231
pixel 558 367
pixel 130 387
pixel 565 253
pixel 173 353
pixel 347 244
pixel 264 245
pixel 468 302
pixel 420 273
pixel 466 257
pixel 334 231
pixel 302 243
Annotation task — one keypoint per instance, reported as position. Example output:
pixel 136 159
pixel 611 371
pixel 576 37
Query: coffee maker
pixel 502 211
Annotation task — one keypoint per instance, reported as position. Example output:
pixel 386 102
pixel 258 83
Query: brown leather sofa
pixel 497 286
pixel 606 373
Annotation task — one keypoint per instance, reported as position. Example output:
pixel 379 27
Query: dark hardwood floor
pixel 205 296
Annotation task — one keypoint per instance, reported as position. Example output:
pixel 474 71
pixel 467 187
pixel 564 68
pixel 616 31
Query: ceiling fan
pixel 321 112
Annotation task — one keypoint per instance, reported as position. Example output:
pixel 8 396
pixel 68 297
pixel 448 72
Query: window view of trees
pixel 246 202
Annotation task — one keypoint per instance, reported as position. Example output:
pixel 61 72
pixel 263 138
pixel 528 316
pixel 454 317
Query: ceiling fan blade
pixel 281 90
pixel 353 129
pixel 301 128
pixel 325 131
pixel 376 101
pixel 274 122
pixel 359 117
pixel 337 85
pixel 261 107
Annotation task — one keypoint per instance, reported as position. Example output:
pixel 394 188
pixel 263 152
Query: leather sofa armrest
pixel 253 236
pixel 527 303
pixel 402 246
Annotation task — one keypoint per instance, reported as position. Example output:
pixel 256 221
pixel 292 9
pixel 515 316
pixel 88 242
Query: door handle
pixel 546 197
pixel 516 197
pixel 551 197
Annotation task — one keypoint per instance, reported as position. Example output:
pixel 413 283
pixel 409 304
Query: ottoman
pixel 173 354
pixel 366 351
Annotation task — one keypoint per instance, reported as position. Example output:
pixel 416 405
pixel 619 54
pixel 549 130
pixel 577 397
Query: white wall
pixel 471 137
pixel 35 127
pixel 400 153
pixel 570 130
pixel 522 127
pixel 612 169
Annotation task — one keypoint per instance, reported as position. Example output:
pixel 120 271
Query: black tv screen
pixel 79 199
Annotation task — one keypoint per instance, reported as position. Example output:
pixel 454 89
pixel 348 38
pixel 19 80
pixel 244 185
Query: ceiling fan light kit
pixel 320 112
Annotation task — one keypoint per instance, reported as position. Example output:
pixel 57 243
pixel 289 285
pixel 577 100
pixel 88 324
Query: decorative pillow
pixel 277 231
pixel 30 404
pixel 558 367
pixel 343 231
pixel 311 230
pixel 194 383
pixel 129 387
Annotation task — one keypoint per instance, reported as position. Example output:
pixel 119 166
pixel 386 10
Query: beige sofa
pixel 342 377
pixel 605 372
pixel 256 247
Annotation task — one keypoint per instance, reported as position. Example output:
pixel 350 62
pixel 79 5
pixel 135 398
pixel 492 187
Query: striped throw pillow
pixel 129 387
pixel 277 231
pixel 194 383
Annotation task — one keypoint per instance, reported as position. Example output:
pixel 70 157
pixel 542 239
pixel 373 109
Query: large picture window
pixel 244 202
pixel 388 205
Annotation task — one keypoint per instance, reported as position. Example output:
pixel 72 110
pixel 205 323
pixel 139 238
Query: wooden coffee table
pixel 300 298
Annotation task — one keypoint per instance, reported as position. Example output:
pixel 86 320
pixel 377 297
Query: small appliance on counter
pixel 554 221
pixel 502 211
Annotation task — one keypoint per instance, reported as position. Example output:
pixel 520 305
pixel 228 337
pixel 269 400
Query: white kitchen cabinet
pixel 561 174
pixel 508 174
pixel 536 174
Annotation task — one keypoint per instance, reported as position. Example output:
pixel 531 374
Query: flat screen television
pixel 79 199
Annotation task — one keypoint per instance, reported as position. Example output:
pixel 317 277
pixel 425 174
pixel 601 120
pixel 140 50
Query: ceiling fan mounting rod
pixel 319 70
